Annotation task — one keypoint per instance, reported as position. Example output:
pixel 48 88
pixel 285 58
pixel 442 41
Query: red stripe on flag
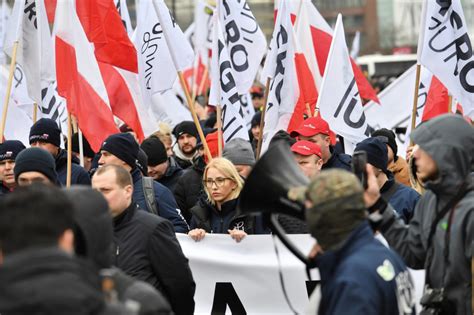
pixel 93 115
pixel 50 6
pixel 437 101
pixel 120 98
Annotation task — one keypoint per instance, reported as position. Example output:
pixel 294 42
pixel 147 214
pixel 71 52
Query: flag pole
pixel 35 112
pixel 9 90
pixel 415 99
pixel 69 150
pixel 262 118
pixel 450 104
pixel 185 88
pixel 219 129
pixel 81 147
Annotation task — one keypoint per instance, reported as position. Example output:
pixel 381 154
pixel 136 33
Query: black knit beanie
pixel 10 149
pixel 390 136
pixel 377 153
pixel 46 130
pixel 155 150
pixel 185 127
pixel 88 152
pixel 36 160
pixel 123 146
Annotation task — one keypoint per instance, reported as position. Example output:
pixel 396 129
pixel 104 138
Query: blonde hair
pixel 164 134
pixel 226 167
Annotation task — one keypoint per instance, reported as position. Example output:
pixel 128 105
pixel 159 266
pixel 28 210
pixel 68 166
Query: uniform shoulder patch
pixel 386 270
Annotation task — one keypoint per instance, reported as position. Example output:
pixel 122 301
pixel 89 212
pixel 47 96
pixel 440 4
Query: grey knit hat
pixel 239 152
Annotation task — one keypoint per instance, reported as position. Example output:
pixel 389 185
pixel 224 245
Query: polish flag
pixel 320 38
pixel 79 78
pixel 114 51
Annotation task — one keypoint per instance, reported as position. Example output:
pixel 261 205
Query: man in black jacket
pixel 146 247
pixel 46 134
pixel 38 274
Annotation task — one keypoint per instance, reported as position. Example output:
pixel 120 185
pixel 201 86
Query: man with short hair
pixel 440 236
pixel 308 156
pixel 46 134
pixel 402 198
pixel 161 168
pixel 146 247
pixel 9 150
pixel 185 148
pixel 316 129
pixel 121 149
pixel 35 165
pixel 38 273
pixel 240 153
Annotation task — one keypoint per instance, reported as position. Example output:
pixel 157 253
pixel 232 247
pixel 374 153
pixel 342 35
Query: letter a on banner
pixel 339 101
pixel 446 50
pixel 224 89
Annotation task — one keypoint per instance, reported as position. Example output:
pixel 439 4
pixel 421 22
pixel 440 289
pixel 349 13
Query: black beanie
pixel 10 149
pixel 46 130
pixel 123 146
pixel 36 160
pixel 142 162
pixel 85 145
pixel 390 136
pixel 185 127
pixel 256 119
pixel 155 150
pixel 376 150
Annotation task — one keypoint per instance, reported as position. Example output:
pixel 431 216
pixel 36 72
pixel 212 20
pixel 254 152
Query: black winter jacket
pixel 48 281
pixel 79 176
pixel 189 188
pixel 172 175
pixel 146 248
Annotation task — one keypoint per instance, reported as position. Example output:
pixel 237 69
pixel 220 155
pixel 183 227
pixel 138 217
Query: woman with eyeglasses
pixel 218 213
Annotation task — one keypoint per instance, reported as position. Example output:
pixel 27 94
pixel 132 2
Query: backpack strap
pixel 391 191
pixel 149 192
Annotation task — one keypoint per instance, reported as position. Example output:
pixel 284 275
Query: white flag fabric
pixel 202 37
pixel 224 89
pixel 159 59
pixel 446 50
pixel 280 66
pixel 246 109
pixel 339 100
pixel 53 106
pixel 167 108
pixel 29 25
pixel 355 46
pixel 122 9
pixel 4 16
pixel 245 41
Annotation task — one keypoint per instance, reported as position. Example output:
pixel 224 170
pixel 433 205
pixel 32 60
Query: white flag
pixel 122 9
pixel 280 66
pixel 224 89
pixel 29 25
pixel 339 100
pixel 246 109
pixel 202 38
pixel 4 16
pixel 355 46
pixel 159 58
pixel 245 41
pixel 167 108
pixel 446 50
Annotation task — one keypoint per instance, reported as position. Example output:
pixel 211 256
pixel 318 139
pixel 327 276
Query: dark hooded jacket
pixel 172 175
pixel 48 281
pixel 79 176
pixel 449 140
pixel 189 188
pixel 338 160
pixel 94 241
pixel 403 199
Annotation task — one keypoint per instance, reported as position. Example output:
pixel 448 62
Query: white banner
pixel 4 16
pixel 446 50
pixel 239 278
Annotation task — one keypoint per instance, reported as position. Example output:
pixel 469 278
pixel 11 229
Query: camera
pixel 359 162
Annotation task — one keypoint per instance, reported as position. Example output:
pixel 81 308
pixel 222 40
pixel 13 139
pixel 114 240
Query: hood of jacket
pixel 94 229
pixel 449 140
pixel 47 281
pixel 173 167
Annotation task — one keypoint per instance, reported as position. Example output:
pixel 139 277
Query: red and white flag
pixel 339 100
pixel 224 87
pixel 79 78
pixel 445 49
pixel 122 9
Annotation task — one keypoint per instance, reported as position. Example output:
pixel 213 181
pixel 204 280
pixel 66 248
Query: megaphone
pixel 274 187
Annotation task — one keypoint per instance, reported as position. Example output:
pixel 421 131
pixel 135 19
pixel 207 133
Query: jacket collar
pixel 125 217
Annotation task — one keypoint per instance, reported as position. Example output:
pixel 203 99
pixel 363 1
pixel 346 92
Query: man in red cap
pixel 308 156
pixel 316 130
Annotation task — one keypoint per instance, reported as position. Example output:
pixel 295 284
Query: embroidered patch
pixel 386 270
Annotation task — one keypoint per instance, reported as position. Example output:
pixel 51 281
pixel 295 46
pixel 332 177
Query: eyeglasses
pixel 219 181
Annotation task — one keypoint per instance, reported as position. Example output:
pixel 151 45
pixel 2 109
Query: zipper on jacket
pixel 117 252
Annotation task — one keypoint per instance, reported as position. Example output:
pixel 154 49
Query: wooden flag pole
pixel 203 81
pixel 450 104
pixel 35 112
pixel 262 119
pixel 81 147
pixel 219 129
pixel 69 150
pixel 415 99
pixel 195 117
pixel 8 91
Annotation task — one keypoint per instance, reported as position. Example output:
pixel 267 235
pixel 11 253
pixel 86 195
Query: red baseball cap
pixel 313 126
pixel 306 148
